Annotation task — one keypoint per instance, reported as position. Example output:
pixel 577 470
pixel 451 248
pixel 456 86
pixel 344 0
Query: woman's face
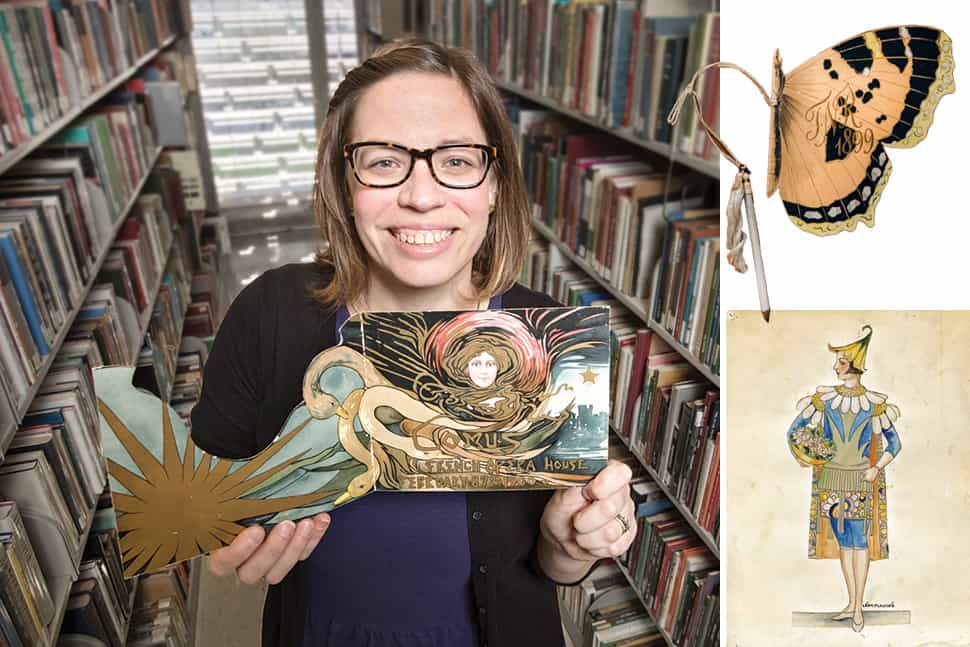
pixel 445 226
pixel 482 370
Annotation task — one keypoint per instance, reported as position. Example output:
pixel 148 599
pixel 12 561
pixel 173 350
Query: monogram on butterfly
pixel 835 114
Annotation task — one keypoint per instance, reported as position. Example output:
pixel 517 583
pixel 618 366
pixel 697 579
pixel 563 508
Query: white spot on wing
pixel 882 158
pixel 904 32
pixel 812 215
pixel 834 211
pixel 866 192
pixel 865 72
pixel 853 203
pixel 874 174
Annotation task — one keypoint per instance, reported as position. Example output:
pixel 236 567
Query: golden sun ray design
pixel 177 510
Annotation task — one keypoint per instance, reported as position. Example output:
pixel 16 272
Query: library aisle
pixel 233 610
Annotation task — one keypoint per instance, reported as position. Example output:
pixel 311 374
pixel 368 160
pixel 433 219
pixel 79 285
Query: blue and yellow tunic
pixel 846 510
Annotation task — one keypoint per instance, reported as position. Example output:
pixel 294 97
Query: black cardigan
pixel 252 380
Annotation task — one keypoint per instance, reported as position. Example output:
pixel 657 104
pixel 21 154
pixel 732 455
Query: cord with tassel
pixel 740 189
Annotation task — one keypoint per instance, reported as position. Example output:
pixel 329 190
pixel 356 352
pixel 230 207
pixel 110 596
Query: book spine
pixel 57 64
pixel 24 294
pixel 39 62
pixel 19 69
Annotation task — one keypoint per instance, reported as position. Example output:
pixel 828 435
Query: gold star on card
pixel 589 376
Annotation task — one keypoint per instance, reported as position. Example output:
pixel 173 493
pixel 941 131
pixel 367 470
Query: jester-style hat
pixel 855 352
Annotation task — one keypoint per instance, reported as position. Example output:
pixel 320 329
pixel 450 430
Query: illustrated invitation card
pixel 453 401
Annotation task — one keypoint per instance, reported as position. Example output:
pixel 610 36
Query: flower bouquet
pixel 810 446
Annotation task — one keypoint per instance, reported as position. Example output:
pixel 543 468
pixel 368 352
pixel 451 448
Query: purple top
pixel 394 570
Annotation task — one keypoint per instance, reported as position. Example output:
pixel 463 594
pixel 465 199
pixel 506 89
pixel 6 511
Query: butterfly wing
pixel 838 111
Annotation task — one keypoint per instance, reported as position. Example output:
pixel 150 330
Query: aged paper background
pixel 921 359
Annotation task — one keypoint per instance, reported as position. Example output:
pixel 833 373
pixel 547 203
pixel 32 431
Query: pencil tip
pixel 766 314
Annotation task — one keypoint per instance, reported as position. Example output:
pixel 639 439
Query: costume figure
pixel 846 434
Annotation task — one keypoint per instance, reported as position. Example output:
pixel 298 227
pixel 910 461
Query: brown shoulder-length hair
pixel 497 262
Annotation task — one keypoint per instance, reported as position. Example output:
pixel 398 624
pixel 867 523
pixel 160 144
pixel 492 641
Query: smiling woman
pixel 421 166
pixel 419 193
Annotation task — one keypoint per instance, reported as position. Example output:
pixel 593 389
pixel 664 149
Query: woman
pixel 855 431
pixel 422 200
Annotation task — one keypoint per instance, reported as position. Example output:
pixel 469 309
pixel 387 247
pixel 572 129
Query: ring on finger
pixel 624 522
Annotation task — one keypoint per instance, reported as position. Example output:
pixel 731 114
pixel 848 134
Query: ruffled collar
pixel 846 400
pixel 850 399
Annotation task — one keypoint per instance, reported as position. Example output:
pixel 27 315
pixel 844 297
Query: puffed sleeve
pixel 883 421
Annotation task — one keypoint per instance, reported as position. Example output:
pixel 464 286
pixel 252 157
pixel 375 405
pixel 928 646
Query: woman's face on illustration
pixel 482 370
pixel 420 234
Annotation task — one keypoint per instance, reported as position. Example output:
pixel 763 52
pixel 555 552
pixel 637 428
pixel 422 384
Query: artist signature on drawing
pixel 879 605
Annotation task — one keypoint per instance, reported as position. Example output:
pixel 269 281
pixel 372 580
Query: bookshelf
pixel 685 512
pixel 638 307
pixel 707 167
pixel 127 124
pixel 7 434
pixel 10 158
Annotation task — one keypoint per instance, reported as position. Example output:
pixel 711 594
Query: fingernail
pixel 322 525
pixel 286 529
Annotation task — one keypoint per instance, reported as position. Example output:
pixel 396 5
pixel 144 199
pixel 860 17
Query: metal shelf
pixel 69 321
pixel 685 512
pixel 10 158
pixel 709 168
pixel 638 307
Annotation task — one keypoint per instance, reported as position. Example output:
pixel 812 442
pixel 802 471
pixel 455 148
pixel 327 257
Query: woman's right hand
pixel 254 556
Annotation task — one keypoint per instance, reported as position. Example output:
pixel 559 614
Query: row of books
pixel 599 199
pixel 668 416
pixel 604 611
pixel 58 211
pixel 130 268
pixel 686 294
pixel 99 605
pixel 55 54
pixel 675 575
pixel 26 604
pixel 621 62
pixel 158 361
pixel 53 469
pixel 187 386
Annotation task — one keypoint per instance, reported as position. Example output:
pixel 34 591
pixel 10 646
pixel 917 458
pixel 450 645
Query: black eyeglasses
pixel 384 165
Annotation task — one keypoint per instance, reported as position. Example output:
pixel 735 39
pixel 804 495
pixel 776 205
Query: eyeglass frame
pixel 491 154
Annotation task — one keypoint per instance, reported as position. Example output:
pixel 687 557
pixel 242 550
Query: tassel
pixel 735 235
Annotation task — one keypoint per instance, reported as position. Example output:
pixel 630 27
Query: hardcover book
pixel 446 401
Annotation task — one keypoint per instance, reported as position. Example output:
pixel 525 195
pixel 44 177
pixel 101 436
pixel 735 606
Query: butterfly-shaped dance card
pixel 832 119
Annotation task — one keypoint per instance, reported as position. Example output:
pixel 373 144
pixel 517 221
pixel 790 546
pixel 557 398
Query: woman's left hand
pixel 871 474
pixel 584 522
